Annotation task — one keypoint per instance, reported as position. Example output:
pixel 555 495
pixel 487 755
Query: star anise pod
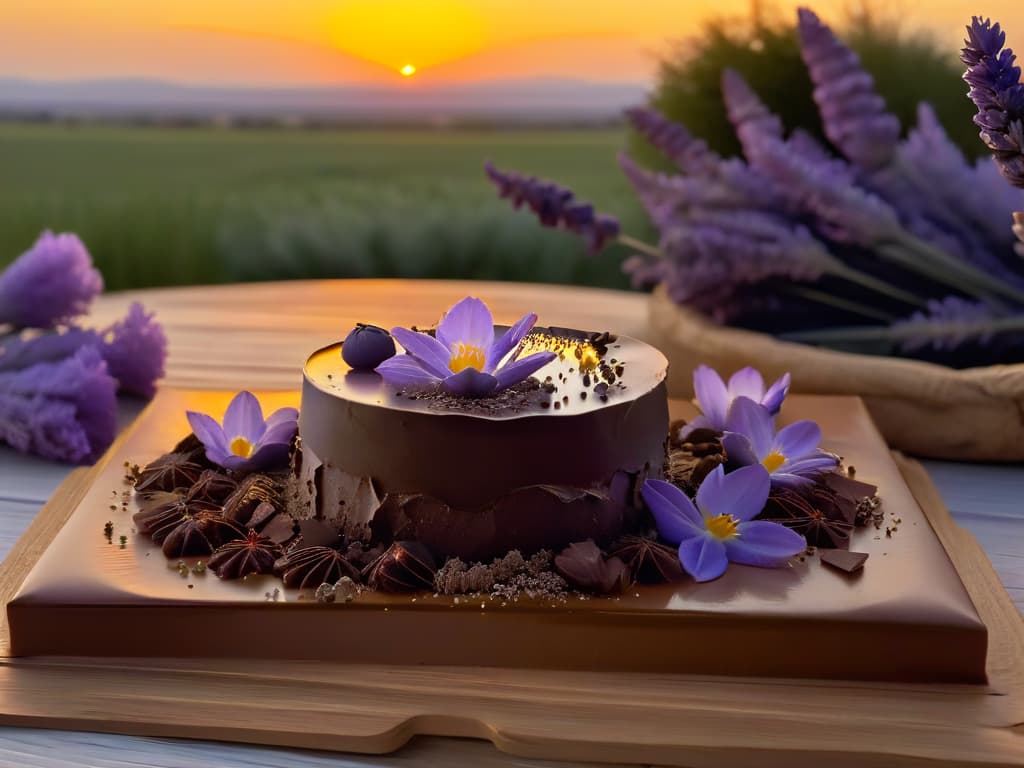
pixel 310 567
pixel 649 561
pixel 238 558
pixel 406 566
pixel 812 512
pixel 196 534
pixel 212 486
pixel 161 508
pixel 168 472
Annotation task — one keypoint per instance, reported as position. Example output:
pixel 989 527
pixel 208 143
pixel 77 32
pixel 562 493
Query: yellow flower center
pixel 722 526
pixel 773 461
pixel 466 356
pixel 241 447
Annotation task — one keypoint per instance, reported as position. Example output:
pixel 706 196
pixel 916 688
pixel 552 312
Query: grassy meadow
pixel 173 206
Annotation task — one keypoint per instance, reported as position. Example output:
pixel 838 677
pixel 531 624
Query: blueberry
pixel 366 347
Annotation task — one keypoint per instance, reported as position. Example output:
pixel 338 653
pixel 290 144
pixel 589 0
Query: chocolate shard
pixel 281 528
pixel 649 561
pixel 168 473
pixel 255 554
pixel 317 533
pixel 844 560
pixel 309 568
pixel 196 534
pixel 251 492
pixel 584 566
pixel 212 486
pixel 406 566
pixel 191 444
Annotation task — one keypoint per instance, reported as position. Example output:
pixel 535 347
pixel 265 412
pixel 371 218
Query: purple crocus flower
pixel 791 456
pixel 246 442
pixel 50 283
pixel 556 206
pixel 720 528
pixel 716 398
pixel 64 410
pixel 465 358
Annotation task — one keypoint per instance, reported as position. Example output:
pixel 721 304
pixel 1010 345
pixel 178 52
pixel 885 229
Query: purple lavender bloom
pixel 246 442
pixel 367 346
pixel 556 206
pixel 852 113
pixel 135 350
pixel 465 358
pixel 720 528
pixel 747 113
pixel 946 324
pixel 690 154
pixel 50 283
pixel 715 398
pixel 996 90
pixel 65 410
pixel 791 456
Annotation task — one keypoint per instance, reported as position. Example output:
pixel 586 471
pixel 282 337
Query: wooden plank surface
pixel 257 336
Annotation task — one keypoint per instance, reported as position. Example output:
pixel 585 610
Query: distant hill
pixel 542 100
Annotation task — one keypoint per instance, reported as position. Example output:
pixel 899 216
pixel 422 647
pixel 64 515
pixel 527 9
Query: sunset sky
pixel 270 42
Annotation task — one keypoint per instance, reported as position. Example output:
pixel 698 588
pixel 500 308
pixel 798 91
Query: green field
pixel 168 206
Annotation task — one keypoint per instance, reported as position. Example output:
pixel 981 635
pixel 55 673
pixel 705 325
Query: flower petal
pixel 209 433
pixel 244 418
pixel 674 514
pixel 753 420
pixel 266 456
pixel 764 544
pixel 812 465
pixel 747 382
pixel 468 322
pixel 741 493
pixel 520 370
pixel 703 557
pixel 281 427
pixel 508 341
pixel 406 370
pixel 712 396
pixel 469 382
pixel 776 393
pixel 738 449
pixel 434 355
pixel 799 439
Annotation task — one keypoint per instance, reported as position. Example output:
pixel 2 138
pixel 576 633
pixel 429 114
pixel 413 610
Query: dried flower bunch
pixel 58 382
pixel 874 243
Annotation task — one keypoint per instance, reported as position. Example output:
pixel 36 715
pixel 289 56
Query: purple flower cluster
pixel 58 382
pixel 556 206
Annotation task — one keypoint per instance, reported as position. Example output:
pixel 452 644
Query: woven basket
pixel 975 414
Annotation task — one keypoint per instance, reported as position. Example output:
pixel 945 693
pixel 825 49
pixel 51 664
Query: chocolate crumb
pixel 844 560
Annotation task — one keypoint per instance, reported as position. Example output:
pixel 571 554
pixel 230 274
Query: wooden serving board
pixel 661 719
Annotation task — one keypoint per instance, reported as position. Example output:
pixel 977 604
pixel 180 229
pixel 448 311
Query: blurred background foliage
pixel 908 66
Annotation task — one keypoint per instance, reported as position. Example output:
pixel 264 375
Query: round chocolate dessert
pixel 555 459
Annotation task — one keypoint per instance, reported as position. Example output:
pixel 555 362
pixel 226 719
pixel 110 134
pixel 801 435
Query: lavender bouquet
pixel 58 381
pixel 874 244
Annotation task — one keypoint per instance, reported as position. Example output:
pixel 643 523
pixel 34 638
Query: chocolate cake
pixel 554 460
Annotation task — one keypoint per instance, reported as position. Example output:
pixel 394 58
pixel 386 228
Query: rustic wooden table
pixel 257 336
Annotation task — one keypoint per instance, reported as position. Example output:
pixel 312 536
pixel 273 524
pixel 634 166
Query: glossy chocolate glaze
pixel 526 476
pixel 905 616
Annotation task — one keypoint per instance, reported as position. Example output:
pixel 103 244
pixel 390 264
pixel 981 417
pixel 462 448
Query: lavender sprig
pixel 996 90
pixel 852 113
pixel 747 113
pixel 556 206
pixel 690 154
pixel 51 283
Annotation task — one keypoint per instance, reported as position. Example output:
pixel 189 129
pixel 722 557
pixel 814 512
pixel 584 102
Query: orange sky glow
pixel 317 42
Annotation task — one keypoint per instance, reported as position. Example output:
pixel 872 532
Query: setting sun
pixel 407 71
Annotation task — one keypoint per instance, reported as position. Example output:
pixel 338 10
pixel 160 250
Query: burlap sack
pixel 928 410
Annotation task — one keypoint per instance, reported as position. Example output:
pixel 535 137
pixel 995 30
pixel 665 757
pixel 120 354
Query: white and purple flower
pixel 464 357
pixel 791 456
pixel 246 442
pixel 716 398
pixel 719 528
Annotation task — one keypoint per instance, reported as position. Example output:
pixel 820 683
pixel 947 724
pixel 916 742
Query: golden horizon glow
pixel 312 42
pixel 407 70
